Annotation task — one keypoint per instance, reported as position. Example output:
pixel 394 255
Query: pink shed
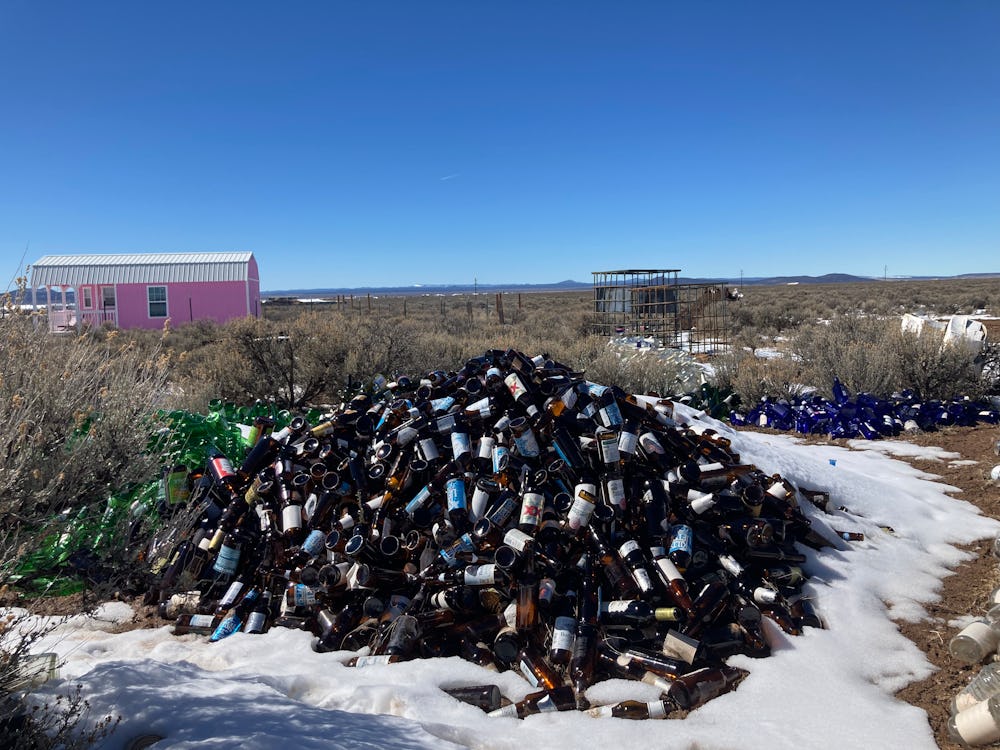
pixel 145 290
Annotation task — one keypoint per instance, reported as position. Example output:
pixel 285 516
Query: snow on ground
pixel 826 689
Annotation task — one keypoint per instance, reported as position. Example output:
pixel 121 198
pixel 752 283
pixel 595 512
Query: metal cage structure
pixel 652 304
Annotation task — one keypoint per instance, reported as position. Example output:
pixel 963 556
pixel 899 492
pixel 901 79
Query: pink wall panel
pixel 219 301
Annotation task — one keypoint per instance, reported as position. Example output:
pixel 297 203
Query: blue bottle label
pixel 314 543
pixel 682 539
pixel 227 560
pixel 455 489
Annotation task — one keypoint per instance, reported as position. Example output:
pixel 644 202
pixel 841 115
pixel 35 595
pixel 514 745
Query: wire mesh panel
pixel 651 304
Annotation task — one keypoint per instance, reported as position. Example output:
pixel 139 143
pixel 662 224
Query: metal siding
pixel 142 268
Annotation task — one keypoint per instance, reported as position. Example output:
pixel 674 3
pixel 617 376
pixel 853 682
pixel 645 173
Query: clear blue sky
pixel 385 143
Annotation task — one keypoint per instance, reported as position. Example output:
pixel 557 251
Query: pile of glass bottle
pixel 865 416
pixel 513 513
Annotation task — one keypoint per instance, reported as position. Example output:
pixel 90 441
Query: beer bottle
pixel 259 619
pixel 536 670
pixel 632 709
pixel 560 699
pixel 697 688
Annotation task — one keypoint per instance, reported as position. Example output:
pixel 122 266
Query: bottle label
pixel 368 661
pixel 529 675
pixel 515 386
pixel 201 621
pixel 500 458
pixel 461 444
pixel 731 565
pixel 256 622
pixel 226 628
pixel 303 596
pixel 442 404
pixel 563 634
pixel 527 444
pixel 455 489
pixel 642 578
pixel 223 466
pixel 314 543
pixel 568 397
pixel 610 415
pixel 418 500
pixel 608 447
pixel 702 502
pixel 517 539
pixel 291 517
pixel 227 560
pixel 446 423
pixel 232 593
pixel 628 548
pixel 480 575
pixel 650 444
pixel 668 569
pixel 547 704
pixel 428 450
pixel 656 709
pixel 531 508
pixel 618 606
pixel 682 539
pixel 627 442
pixel 581 510
pixel 486 444
pixel 615 491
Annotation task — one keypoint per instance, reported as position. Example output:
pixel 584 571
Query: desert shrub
pixel 753 377
pixel 874 355
pixel 74 421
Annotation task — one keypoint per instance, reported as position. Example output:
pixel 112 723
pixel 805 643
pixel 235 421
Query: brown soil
pixel 967 591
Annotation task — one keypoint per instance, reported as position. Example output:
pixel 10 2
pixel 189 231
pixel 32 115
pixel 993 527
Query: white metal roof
pixel 139 268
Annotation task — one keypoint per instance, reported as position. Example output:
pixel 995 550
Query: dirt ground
pixel 965 592
pixel 968 590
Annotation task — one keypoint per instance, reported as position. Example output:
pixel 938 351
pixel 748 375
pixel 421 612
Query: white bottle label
pixel 291 517
pixel 527 444
pixel 486 444
pixel 656 710
pixel 517 539
pixel 461 444
pixel 615 492
pixel 255 622
pixel 515 386
pixel 201 621
pixel 368 661
pixel 627 442
pixel 531 508
pixel 616 606
pixel 480 575
pixel 563 634
pixel 628 548
pixel 528 675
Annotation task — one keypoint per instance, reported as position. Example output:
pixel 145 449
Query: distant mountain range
pixel 559 286
pixel 572 286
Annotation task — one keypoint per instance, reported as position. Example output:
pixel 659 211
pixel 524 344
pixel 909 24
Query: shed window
pixel 157 297
pixel 88 297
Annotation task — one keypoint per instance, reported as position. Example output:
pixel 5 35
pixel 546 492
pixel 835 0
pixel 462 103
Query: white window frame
pixel 150 303
pixel 86 298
